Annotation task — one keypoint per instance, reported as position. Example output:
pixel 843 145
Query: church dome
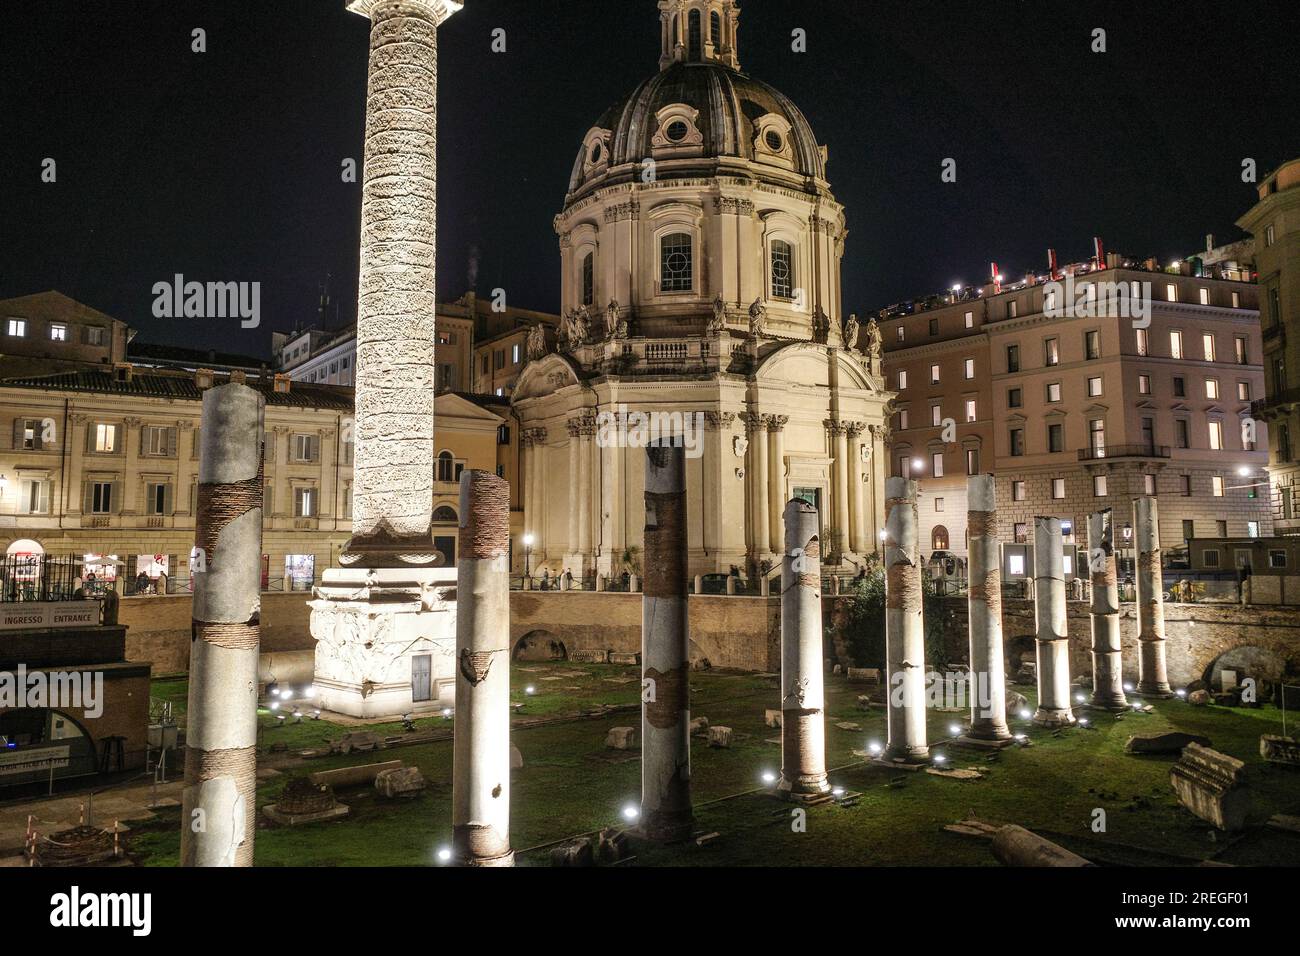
pixel 701 107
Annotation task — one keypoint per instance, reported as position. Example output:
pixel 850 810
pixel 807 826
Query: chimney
pixel 995 277
pixel 237 377
pixel 1209 242
pixel 1113 260
pixel 282 384
pixel 1051 264
pixel 1099 252
pixel 203 378
pixel 123 371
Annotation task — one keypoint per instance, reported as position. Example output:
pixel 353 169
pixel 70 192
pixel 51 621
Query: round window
pixel 676 131
pixel 677 262
pixel 780 269
pixel 774 141
pixel 596 152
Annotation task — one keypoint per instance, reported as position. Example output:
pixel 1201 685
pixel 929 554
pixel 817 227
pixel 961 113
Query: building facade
pixel 1275 223
pixel 103 464
pixel 49 331
pixel 1083 408
pixel 700 249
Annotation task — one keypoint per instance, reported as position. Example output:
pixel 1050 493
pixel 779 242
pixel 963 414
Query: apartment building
pixel 1275 223
pixel 103 464
pixel 1079 397
pixel 49 331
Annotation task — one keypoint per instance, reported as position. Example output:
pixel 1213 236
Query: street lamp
pixel 528 551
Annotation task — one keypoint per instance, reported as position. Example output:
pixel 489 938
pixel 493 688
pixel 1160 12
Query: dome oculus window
pixel 677 131
pixel 774 141
pixel 677 260
pixel 597 152
pixel 782 270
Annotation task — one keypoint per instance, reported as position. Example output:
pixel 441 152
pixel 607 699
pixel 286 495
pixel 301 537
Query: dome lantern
pixel 699 31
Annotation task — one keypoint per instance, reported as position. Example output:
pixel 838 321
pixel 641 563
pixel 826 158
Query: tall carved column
pixel 776 490
pixel 1153 678
pixel 384 621
pixel 587 429
pixel 392 504
pixel 858 543
pixel 574 428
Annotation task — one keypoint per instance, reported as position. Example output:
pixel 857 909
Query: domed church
pixel 701 246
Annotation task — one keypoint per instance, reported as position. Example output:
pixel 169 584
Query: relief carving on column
pixel 777 423
pixel 835 426
pixel 753 421
pixel 582 426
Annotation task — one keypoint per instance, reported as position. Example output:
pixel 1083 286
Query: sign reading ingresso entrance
pixel 23 615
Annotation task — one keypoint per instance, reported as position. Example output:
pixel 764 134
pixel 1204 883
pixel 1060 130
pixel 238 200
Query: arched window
pixel 715 30
pixel 677 263
pixel 782 270
pixel 446 467
pixel 939 538
pixel 695 45
pixel 589 278
pixel 444 514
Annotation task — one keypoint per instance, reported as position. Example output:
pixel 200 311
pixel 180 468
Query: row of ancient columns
pixel 582 432
pixel 904 620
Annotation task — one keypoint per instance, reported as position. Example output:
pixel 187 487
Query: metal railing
pixel 1124 451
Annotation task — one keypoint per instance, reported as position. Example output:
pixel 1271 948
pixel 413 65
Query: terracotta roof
pixel 155 383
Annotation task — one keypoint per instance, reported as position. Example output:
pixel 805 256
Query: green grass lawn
pixel 570 784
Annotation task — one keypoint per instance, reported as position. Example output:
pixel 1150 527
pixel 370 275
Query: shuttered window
pixel 158 498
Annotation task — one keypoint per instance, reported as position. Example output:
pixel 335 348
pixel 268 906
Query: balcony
pixel 1261 407
pixel 1124 451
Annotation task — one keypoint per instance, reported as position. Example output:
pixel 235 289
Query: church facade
pixel 701 249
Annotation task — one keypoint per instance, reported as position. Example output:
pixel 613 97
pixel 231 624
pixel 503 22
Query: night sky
pixel 225 165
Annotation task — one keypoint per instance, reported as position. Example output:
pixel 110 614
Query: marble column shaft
pixel 776 480
pixel 1052 634
pixel 803 703
pixel 1107 656
pixel 1153 677
pixel 904 626
pixel 988 690
pixel 666 814
pixel 480 788
pixel 218 805
pixel 840 439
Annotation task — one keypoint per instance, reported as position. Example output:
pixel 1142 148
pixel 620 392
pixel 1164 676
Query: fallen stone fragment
pixel 1016 846
pixel 1281 750
pixel 1212 785
pixel 1170 743
pixel 621 738
pixel 720 737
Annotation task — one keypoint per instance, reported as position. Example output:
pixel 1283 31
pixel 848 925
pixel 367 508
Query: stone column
pixel 586 430
pixel 857 494
pixel 904 626
pixel 392 501
pixel 218 817
pixel 758 448
pixel 803 719
pixel 480 786
pixel 840 494
pixel 776 490
pixel 988 688
pixel 1107 659
pixel 1153 678
pixel 574 545
pixel 665 640
pixel 1052 638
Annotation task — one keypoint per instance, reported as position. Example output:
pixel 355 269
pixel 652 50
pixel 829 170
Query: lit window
pixel 1052 352
pixel 1094 386
pixel 304 502
pixel 936 464
pixel 1176 344
pixel 970 409
pixel 902 419
pixel 1171 292
pixel 1058 488
pixel 969 368
pixel 1243 391
pixel 902 379
pixel 1141 341
pixel 1207 344
pixel 1016 563
pixel 970 320
pixel 1144 384
pixel 1053 391
pixel 677 261
pixel 782 270
pixel 105 438
pixel 934 375
pixel 902 334
pixel 1205 296
pixel 18 327
pixel 1099 486
pixel 972 461
pixel 1017 491
pixel 1216 436
pixel 514 353
pixel 1211 388
pixel 58 332
pixel 1216 486
pixel 936 415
